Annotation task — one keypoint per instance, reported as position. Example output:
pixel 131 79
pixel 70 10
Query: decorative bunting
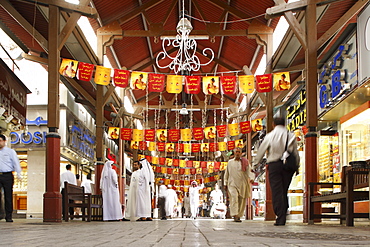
pixel 179 147
pixel 246 84
pixel 152 146
pixel 138 80
pixel 228 84
pixel 161 146
pixel 264 83
pixel 113 133
pixel 156 82
pixel 222 146
pixel 174 83
pixel 210 132
pixel 239 143
pixel 257 125
pixel 195 147
pixel 230 145
pixel 198 133
pixel 120 77
pixel 245 127
pixel 281 81
pixel 142 145
pixel 204 147
pixel 170 147
pixel 212 147
pixel 210 85
pixel 134 145
pixel 102 75
pixel 221 130
pixel 233 129
pixel 192 84
pixel 186 135
pixel 149 135
pixel 137 135
pixel 68 68
pixel 162 135
pixel 173 135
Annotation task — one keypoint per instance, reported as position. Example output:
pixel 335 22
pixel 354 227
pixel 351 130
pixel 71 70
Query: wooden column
pixel 311 171
pixel 269 210
pixel 52 196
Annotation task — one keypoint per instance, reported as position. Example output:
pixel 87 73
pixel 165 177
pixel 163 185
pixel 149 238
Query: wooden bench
pixel 352 180
pixel 75 197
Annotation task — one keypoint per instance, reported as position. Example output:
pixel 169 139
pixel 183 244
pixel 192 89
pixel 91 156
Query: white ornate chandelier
pixel 186 58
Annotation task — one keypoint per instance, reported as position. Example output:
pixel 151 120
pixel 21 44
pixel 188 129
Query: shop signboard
pixel 338 76
pixel 363 36
pixel 80 138
pixel 12 94
pixel 296 113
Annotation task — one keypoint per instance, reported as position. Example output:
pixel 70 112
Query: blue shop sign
pixel 338 75
pixel 36 137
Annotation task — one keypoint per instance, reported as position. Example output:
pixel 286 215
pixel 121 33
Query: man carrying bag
pixel 277 142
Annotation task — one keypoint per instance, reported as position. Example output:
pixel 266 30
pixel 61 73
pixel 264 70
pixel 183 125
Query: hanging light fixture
pixel 186 58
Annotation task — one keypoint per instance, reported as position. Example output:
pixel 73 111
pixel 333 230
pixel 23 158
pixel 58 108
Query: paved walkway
pixel 182 232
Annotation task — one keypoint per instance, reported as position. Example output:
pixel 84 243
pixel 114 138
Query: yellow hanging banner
pixel 185 135
pixel 102 75
pixel 246 83
pixel 222 146
pixel 211 84
pixel 137 135
pixel 187 148
pixel 182 163
pixel 174 83
pixel 155 160
pixel 152 146
pixel 234 129
pixel 138 80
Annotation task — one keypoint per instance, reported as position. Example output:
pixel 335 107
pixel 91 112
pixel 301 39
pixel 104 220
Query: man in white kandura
pixel 112 209
pixel 171 201
pixel 218 206
pixel 145 189
pixel 132 194
pixel 194 198
pixel 237 180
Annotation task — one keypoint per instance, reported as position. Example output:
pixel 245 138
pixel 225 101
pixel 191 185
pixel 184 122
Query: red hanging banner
pixel 264 83
pixel 126 134
pixel 142 145
pixel 149 135
pixel 173 135
pixel 228 84
pixel 245 127
pixel 148 158
pixel 85 71
pixel 162 161
pixel 175 162
pixel 193 171
pixel 156 82
pixel 198 133
pixel 221 130
pixel 212 147
pixel 230 145
pixel 195 147
pixel 179 147
pixel 203 164
pixel 192 84
pixel 161 147
pixel 120 77
pixel 189 163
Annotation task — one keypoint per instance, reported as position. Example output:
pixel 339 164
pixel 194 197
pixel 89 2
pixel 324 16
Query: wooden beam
pixel 68 7
pixel 296 28
pixel 199 9
pixel 137 11
pixel 108 93
pixel 333 30
pixel 81 90
pixel 235 12
pixel 280 9
pixel 25 24
pixel 70 25
pixel 35 58
pixel 169 10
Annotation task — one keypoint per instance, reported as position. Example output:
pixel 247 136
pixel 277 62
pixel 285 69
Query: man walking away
pixel 280 179
pixel 162 200
pixel 69 177
pixel 8 163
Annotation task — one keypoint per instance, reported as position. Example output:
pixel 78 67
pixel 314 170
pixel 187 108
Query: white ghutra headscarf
pixel 147 172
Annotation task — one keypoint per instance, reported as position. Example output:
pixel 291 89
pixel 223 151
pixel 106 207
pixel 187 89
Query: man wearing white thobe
pixel 194 198
pixel 132 194
pixel 112 209
pixel 87 184
pixel 187 205
pixel 238 178
pixel 171 201
pixel 145 189
pixel 217 197
pixel 69 177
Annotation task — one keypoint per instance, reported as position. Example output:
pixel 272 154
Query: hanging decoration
pixel 211 84
pixel 68 68
pixel 186 58
pixel 246 83
pixel 228 84
pixel 281 81
pixel 120 78
pixel 192 84
pixel 113 133
pixel 138 80
pixel 102 75
pixel 156 82
pixel 264 83
pixel 257 125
